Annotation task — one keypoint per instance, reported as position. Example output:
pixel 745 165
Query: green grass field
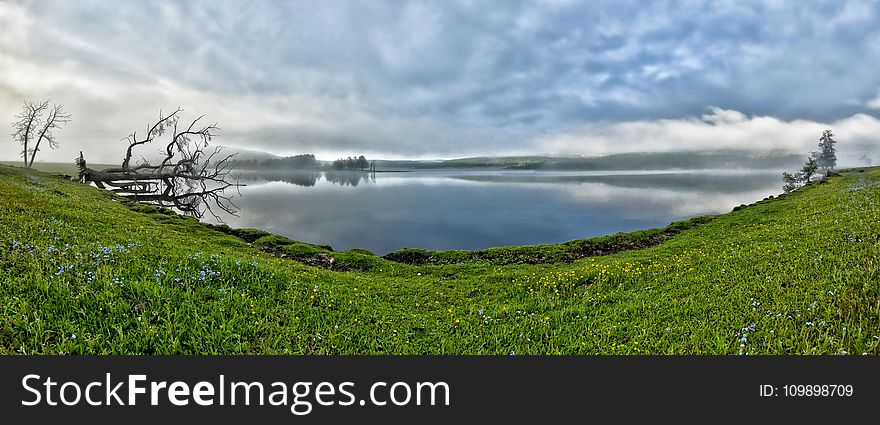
pixel 68 168
pixel 82 271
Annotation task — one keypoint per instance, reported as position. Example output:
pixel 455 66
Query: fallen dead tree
pixel 190 176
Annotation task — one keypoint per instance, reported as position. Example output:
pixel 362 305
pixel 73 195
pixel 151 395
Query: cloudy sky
pixel 451 78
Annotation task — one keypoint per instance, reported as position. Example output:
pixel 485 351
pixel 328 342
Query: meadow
pixel 83 271
pixel 66 168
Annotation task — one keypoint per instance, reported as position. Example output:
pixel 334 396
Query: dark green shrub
pixel 353 260
pixel 297 249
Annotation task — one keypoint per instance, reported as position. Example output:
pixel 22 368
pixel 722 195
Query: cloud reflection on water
pixel 473 210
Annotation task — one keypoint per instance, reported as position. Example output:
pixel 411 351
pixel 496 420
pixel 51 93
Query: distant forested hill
pixel 630 161
pixel 296 162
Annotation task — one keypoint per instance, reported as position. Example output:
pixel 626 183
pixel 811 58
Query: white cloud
pixel 445 79
pixel 874 103
pixel 857 135
pixel 106 109
pixel 14 26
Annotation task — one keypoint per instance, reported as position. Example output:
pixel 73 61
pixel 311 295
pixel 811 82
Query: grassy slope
pixel 80 272
pixel 68 168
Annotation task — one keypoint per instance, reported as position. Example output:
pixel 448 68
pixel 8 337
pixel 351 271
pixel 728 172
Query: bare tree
pixel 30 130
pixel 56 119
pixel 190 176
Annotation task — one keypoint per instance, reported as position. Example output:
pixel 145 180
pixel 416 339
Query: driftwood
pixel 189 177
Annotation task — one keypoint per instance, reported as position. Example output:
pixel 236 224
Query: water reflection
pixel 349 178
pixel 307 177
pixel 706 181
pixel 474 210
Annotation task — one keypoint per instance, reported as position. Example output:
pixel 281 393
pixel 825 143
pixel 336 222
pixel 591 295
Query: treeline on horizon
pixel 305 162
pixel 617 162
pixel 351 163
pixel 626 161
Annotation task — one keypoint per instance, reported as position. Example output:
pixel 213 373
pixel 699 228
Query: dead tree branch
pixel 190 177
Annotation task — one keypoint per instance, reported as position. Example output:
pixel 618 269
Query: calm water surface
pixel 479 209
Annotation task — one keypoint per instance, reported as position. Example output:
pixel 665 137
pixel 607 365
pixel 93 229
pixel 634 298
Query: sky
pixel 446 79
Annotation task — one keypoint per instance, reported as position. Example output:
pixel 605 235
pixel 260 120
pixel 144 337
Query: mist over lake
pixel 475 209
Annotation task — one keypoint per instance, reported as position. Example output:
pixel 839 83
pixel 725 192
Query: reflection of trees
pixel 308 178
pixel 299 177
pixel 303 178
pixel 349 178
pixel 190 177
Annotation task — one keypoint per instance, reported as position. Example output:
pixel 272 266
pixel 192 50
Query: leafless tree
pixel 189 177
pixel 31 130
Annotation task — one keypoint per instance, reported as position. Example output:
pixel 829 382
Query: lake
pixel 475 209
